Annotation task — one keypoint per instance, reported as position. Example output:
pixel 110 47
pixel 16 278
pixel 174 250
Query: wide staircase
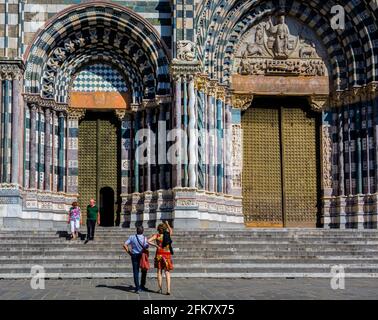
pixel 247 253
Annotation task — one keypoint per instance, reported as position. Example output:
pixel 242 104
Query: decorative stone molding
pixel 11 69
pixel 163 99
pixel 326 158
pixel 241 101
pixel 356 94
pixel 318 103
pixel 179 68
pixel 149 103
pixel 76 114
pixel 46 103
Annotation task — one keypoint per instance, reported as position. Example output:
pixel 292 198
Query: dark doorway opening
pixel 107 207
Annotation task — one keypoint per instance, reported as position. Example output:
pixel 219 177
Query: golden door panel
pixel 108 156
pixel 87 162
pixel 98 158
pixel 299 168
pixel 262 190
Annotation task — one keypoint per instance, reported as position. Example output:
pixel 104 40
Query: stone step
pixel 194 246
pixel 180 241
pixel 244 232
pixel 31 260
pixel 236 253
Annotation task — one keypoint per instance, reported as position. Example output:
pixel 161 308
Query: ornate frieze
pixel 271 49
pixel 356 94
pixel 11 69
pixel 43 102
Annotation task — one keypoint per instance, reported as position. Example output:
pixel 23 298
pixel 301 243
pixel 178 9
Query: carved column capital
pixel 318 103
pixel 212 88
pixel 11 69
pixel 221 92
pixel 120 114
pixel 241 101
pixel 201 83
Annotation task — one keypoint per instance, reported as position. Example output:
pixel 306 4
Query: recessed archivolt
pixel 66 77
pixel 71 65
pixel 350 51
pixel 98 26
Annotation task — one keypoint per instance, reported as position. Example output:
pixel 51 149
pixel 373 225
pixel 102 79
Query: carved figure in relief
pixel 279 37
pixel 307 49
pixel 186 50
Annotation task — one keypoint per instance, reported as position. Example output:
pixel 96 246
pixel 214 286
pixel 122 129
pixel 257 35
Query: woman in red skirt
pixel 163 260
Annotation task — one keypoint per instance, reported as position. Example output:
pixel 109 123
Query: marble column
pixel 74 117
pixel 162 147
pixel 228 148
pixel 201 141
pixel 61 170
pixel 17 132
pixel 47 184
pixel 1 128
pixel 211 145
pixel 185 137
pixel 40 140
pixel 193 143
pixel 151 148
pixel 33 145
pixel 6 130
pixel 219 130
pixel 136 155
pixel 126 154
pixel 178 119
pixel 54 151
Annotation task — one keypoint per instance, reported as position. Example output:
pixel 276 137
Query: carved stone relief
pixel 274 48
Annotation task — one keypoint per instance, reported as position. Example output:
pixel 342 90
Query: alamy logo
pixel 337 277
pixel 338 20
pixel 38 275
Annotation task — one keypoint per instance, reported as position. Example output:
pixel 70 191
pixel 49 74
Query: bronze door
pixel 279 167
pixel 99 162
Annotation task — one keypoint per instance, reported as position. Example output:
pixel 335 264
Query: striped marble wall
pixel 22 19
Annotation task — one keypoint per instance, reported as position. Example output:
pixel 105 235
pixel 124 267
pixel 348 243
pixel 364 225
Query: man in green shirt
pixel 93 216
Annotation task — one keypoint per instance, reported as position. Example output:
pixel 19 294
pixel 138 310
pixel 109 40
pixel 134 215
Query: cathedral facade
pixel 222 113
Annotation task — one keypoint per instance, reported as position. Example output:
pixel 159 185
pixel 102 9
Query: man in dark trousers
pixel 93 216
pixel 137 242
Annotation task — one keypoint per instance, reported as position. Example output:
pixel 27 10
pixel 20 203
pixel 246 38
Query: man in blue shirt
pixel 137 242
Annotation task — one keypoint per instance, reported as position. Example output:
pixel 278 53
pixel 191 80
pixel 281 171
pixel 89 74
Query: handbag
pixel 144 263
